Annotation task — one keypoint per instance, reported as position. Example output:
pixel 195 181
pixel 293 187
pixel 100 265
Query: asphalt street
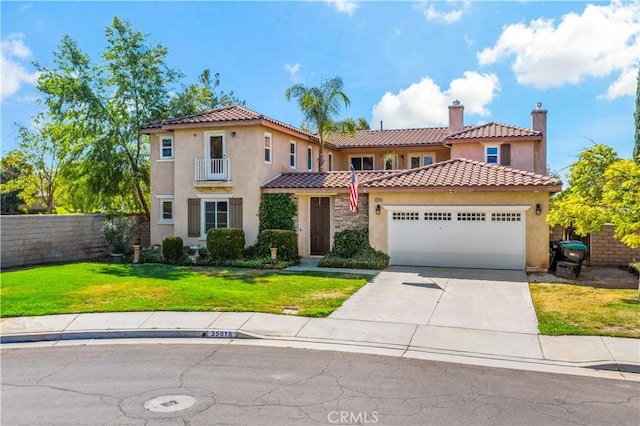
pixel 245 384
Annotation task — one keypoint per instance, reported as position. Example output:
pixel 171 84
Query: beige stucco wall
pixel 402 155
pixel 522 152
pixel 249 171
pixel 537 231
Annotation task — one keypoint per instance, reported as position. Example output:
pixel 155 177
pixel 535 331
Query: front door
pixel 214 155
pixel 320 222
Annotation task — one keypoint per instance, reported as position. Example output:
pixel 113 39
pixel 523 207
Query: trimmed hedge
pixel 225 243
pixel 351 249
pixel 172 248
pixel 350 242
pixel 285 241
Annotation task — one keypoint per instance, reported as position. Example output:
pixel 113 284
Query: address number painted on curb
pixel 221 333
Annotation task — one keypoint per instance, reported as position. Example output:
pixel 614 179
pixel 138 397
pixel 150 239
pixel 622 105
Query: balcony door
pixel 215 156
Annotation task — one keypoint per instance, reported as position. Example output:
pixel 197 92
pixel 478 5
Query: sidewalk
pixel 594 356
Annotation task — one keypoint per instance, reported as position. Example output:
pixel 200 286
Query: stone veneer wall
pixel 344 219
pixel 36 239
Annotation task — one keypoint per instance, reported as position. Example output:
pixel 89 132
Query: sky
pixel 401 62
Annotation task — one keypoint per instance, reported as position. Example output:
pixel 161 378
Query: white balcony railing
pixel 216 169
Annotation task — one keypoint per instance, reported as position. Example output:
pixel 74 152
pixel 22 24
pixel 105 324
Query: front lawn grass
pixel 96 287
pixel 580 310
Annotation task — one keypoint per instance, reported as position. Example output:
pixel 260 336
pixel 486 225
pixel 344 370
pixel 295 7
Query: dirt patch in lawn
pixel 598 277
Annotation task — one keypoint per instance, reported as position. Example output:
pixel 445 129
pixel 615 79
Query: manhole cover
pixel 170 403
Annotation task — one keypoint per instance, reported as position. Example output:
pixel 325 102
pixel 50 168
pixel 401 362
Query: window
pixel 216 215
pixel 405 216
pixel 437 216
pixel 167 211
pixel 419 160
pixel 292 155
pixel 362 163
pixel 491 155
pixel 330 167
pixel 267 148
pixel 166 148
pixel 166 208
pixel 471 217
pixel 506 217
pixel 390 162
pixel 310 159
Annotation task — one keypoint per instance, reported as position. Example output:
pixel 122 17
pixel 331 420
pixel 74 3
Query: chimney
pixel 539 122
pixel 456 117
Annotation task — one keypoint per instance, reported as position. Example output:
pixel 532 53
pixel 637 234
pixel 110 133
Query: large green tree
pixel 320 108
pixel 104 105
pixel 201 96
pixel 602 189
pixel 636 120
pixel 16 182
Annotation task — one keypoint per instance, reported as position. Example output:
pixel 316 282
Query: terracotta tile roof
pixel 455 173
pixel 494 130
pixel 232 113
pixel 328 180
pixel 391 138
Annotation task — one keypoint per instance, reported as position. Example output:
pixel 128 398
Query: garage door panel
pixel 457 239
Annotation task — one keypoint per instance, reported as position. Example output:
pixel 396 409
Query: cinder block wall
pixel 608 251
pixel 37 239
pixel 604 248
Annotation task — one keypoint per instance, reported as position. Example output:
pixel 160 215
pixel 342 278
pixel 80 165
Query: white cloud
pixel 425 104
pixel 624 85
pixel 14 74
pixel 602 41
pixel 347 7
pixel 449 17
pixel 293 71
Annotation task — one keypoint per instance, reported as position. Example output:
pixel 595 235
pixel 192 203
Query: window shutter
pixel 505 154
pixel 193 217
pixel 235 207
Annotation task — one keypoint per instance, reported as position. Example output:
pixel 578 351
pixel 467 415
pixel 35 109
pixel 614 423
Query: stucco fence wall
pixel 604 248
pixel 39 239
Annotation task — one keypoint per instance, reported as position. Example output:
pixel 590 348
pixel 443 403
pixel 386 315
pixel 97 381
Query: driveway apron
pixel 482 299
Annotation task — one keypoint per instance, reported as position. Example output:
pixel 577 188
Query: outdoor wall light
pixel 233 134
pixel 378 209
pixel 538 209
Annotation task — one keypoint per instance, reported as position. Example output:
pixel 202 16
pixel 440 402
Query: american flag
pixel 353 191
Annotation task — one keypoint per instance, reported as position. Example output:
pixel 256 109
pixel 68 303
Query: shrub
pixel 151 255
pixel 367 258
pixel 225 243
pixel 277 212
pixel 117 233
pixel 285 241
pixel 172 249
pixel 635 268
pixel 349 242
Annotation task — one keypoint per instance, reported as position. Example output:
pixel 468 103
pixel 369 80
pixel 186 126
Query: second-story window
pixel 330 167
pixel 267 148
pixel 491 154
pixel 310 159
pixel 166 148
pixel 292 155
pixel 362 163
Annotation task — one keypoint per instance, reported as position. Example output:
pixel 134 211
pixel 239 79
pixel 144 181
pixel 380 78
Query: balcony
pixel 212 170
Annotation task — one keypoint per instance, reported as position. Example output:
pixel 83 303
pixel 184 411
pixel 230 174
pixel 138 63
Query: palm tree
pixel 320 106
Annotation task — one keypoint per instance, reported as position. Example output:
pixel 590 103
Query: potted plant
pixel 117 233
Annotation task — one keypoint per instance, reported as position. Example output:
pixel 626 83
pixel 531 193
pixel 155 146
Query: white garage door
pixel 455 236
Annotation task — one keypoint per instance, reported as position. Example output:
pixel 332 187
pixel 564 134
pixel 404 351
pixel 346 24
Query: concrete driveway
pixel 480 299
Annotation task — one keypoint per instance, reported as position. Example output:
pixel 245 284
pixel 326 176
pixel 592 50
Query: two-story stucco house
pixel 468 196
